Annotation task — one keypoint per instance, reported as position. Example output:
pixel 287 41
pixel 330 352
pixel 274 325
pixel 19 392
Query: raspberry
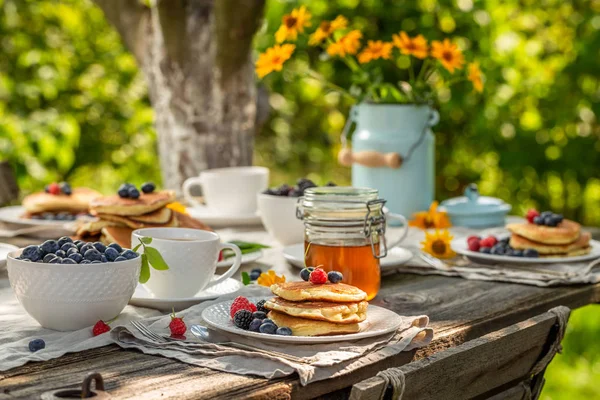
pixel 242 319
pixel 241 303
pixel 54 188
pixel 489 241
pixel 177 326
pixel 318 276
pixel 531 214
pixel 473 237
pixel 100 328
pixel 474 244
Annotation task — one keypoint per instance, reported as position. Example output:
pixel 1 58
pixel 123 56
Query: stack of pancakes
pixel 564 240
pixel 316 310
pixel 76 203
pixel 116 217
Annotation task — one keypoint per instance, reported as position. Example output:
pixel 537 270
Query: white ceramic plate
pixel 12 214
pixel 142 298
pixel 397 256
pixel 5 248
pixel 215 218
pixel 460 246
pixel 379 322
pixel 246 259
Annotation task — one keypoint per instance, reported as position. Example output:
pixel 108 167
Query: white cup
pixel 229 190
pixel 192 257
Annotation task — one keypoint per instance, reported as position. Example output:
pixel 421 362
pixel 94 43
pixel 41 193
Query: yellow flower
pixel 347 44
pixel 438 244
pixel 273 58
pixel 177 206
pixel 270 277
pixel 292 24
pixel 475 76
pixel 448 53
pixel 375 49
pixel 416 46
pixel 326 29
pixel 430 219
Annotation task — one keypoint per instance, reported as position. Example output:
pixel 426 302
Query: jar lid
pixel 472 203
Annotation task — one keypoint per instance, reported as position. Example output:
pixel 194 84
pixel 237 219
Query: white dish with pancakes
pixel 380 321
pixel 460 246
pixel 16 215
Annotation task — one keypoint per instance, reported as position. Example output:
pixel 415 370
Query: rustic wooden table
pixel 460 311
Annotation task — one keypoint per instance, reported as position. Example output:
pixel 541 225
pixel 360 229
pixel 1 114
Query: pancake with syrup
pixel 311 327
pixel 566 232
pixel 131 223
pixel 521 243
pixel 146 203
pixel 77 202
pixel 340 313
pixel 160 216
pixel 306 291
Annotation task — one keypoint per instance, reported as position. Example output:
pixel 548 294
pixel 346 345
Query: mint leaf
pixel 155 259
pixel 245 278
pixel 248 245
pixel 136 247
pixel 146 240
pixel 145 271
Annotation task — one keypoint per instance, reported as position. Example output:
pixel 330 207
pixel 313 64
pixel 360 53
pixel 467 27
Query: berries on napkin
pixel 100 328
pixel 177 326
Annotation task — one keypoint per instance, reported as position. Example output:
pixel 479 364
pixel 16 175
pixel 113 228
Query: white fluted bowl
pixel 68 297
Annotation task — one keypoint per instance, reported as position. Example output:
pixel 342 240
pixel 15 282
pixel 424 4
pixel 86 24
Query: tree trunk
pixel 196 56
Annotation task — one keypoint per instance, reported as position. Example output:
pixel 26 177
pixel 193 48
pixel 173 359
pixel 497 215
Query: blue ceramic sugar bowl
pixel 475 211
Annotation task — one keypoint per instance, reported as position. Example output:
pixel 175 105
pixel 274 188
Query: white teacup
pixel 229 190
pixel 192 257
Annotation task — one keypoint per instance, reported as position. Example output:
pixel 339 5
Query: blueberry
pixel 268 321
pixel 517 253
pixel 485 250
pixel 255 325
pixel 86 247
pixel 68 261
pixel 65 247
pixel 148 187
pixel 111 254
pixel 99 246
pixel 76 257
pixel 331 184
pixel 32 253
pixel 49 246
pixel 531 253
pixel 304 184
pixel 555 220
pixel 550 221
pixel 268 328
pixel 61 216
pixel 49 257
pixel 65 188
pixel 504 241
pixel 559 217
pixel 84 261
pixel 123 191
pixel 80 244
pixel 295 193
pixel 335 276
pixel 120 258
pixel 116 247
pixel 285 331
pixel 282 190
pixel 96 262
pixel 56 260
pixel 254 275
pixel 305 274
pixel 133 193
pixel 498 250
pixel 92 255
pixel 129 255
pixel 259 315
pixel 509 252
pixel 546 214
pixel 539 220
pixel 271 192
pixel 60 253
pixel 103 258
pixel 72 250
pixel 48 216
pixel 47 189
pixel 36 344
pixel 63 240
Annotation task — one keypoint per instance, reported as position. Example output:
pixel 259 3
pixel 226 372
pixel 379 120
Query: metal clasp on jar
pixel 379 222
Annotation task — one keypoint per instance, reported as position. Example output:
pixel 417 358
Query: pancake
pixel 93 227
pixel 519 242
pixel 342 313
pixel 309 327
pixel 566 232
pixel 334 292
pixel 160 216
pixel 117 234
pixel 573 253
pixel 131 223
pixel 77 202
pixel 185 221
pixel 145 204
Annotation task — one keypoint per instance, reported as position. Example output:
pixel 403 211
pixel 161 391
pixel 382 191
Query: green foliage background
pixel 73 106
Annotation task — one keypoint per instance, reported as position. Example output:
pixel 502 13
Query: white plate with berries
pixel 380 321
pixel 17 215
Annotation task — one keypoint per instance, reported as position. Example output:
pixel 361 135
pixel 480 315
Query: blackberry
pixel 242 319
pixel 260 306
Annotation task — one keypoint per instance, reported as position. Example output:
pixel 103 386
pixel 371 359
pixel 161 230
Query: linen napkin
pixel 319 361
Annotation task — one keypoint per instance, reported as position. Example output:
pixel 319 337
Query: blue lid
pixel 472 203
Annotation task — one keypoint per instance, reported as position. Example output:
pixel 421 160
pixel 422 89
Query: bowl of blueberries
pixel 277 209
pixel 68 285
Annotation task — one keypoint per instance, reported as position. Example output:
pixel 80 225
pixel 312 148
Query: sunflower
pixel 438 244
pixel 326 29
pixel 416 46
pixel 375 49
pixel 448 53
pixel 430 219
pixel 177 206
pixel 475 76
pixel 347 44
pixel 273 58
pixel 270 277
pixel 292 24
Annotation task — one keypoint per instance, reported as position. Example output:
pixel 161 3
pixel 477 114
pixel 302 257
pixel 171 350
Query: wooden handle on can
pixel 370 158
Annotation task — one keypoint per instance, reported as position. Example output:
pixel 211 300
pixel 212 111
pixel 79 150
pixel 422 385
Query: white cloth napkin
pixel 321 361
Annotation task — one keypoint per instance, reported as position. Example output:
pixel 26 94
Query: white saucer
pixel 246 259
pixel 216 218
pixel 142 298
pixel 396 256
pixel 5 248
pixel 13 215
